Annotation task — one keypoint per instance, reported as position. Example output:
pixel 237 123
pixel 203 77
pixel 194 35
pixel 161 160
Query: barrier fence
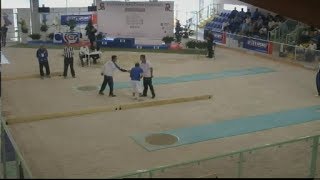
pixel 294 158
pixel 274 49
pixel 13 165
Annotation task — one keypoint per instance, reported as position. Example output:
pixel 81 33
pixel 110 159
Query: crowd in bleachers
pixel 254 24
pixel 309 38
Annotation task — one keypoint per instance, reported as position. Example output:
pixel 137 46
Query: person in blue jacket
pixel 42 55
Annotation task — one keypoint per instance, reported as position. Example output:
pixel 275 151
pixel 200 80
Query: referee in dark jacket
pixel 68 60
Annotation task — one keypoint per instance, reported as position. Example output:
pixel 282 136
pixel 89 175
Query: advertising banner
pixel 257 45
pixel 71 37
pixel 80 19
pixel 219 37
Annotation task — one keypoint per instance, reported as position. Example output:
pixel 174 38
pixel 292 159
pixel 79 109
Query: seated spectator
pixel 269 17
pixel 263 32
pixel 224 25
pixel 244 28
pixel 312 46
pixel 248 19
pixel 84 51
pixel 259 22
pixel 94 54
pixel 310 54
pixel 272 24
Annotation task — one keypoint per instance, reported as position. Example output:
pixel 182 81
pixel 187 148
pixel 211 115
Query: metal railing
pixel 277 50
pixel 246 163
pixel 13 163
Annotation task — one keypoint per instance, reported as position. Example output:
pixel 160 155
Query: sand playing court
pixel 99 145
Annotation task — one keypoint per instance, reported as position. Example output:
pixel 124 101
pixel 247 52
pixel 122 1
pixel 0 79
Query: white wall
pixel 145 19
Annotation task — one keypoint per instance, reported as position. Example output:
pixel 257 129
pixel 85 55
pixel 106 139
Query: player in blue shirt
pixel 136 75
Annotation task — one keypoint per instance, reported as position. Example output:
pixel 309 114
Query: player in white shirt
pixel 147 76
pixel 108 70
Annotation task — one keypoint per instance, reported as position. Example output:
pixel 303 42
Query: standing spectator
pixel 210 44
pixel 256 15
pixel 242 14
pixel 4 31
pixel 68 60
pixel 248 13
pixel 99 41
pixel 84 53
pixel 90 32
pixel 42 55
pixel 233 13
pixel 108 70
pixel 147 76
pixel 135 75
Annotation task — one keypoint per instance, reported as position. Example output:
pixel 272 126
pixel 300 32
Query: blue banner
pixel 80 19
pixel 256 45
pixel 217 37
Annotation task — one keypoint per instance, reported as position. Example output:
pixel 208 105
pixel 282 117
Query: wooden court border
pixel 25 119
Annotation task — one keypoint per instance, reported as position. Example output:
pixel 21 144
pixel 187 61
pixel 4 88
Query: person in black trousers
pixel 210 44
pixel 42 55
pixel 147 76
pixel 4 31
pixel 108 70
pixel 99 41
pixel 68 60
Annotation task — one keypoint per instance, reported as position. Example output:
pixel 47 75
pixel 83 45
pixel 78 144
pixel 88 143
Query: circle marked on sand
pixel 87 88
pixel 161 139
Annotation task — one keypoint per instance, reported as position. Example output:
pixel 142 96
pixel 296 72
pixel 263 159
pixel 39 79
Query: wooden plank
pixel 25 119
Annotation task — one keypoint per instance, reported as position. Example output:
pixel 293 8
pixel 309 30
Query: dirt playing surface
pixel 100 146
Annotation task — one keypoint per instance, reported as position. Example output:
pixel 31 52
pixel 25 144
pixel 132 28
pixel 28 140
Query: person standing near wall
pixel 42 55
pixel 68 60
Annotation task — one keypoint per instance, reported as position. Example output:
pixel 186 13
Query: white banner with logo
pixel 136 19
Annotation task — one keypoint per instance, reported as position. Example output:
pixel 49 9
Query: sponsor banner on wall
pixel 257 45
pixel 80 19
pixel 219 37
pixel 136 19
pixel 71 37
